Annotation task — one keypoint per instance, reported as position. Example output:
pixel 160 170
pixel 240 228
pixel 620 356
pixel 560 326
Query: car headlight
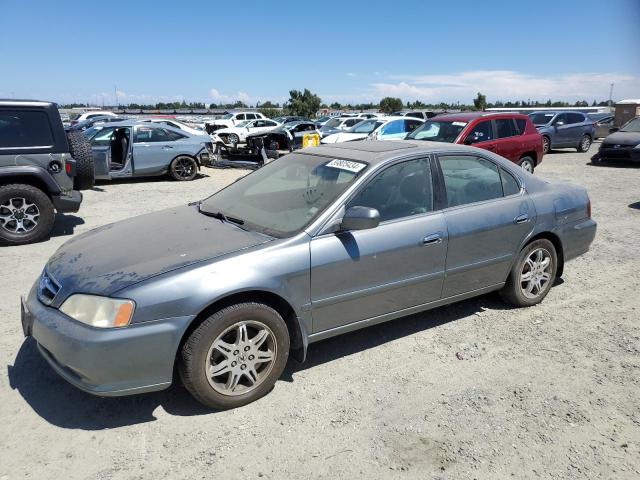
pixel 100 312
pixel 637 147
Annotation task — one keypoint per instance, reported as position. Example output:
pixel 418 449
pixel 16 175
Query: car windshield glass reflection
pixel 367 126
pixel 541 118
pixel 437 131
pixel 284 196
pixel 632 126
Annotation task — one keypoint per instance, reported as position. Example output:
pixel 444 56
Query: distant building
pixel 626 110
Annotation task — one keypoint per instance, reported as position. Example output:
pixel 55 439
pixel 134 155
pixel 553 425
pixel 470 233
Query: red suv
pixel 511 135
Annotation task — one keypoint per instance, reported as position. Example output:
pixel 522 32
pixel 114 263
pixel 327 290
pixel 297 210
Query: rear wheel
pixel 527 164
pixel 532 275
pixel 546 144
pixel 235 356
pixel 585 144
pixel 26 214
pixel 183 168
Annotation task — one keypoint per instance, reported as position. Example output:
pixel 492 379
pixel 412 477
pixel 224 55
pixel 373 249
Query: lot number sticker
pixel 348 165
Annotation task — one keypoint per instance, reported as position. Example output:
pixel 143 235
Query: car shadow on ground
pixel 613 164
pixel 62 405
pixel 64 225
pixel 121 181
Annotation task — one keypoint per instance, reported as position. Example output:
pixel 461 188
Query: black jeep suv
pixel 42 170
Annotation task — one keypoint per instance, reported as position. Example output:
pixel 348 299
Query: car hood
pixel 343 137
pixel 115 256
pixel 622 138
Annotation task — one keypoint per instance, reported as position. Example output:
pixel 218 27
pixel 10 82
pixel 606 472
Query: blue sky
pixel 346 51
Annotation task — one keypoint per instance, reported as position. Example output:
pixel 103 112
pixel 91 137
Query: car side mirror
pixel 559 124
pixel 613 129
pixel 471 139
pixel 360 218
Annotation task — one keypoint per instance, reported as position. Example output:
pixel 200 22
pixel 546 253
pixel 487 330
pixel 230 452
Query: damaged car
pixel 239 133
pixel 142 149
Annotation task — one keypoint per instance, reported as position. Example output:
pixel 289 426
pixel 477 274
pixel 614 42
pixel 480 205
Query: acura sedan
pixel 321 242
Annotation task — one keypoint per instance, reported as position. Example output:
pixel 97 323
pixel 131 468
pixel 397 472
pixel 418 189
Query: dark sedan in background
pixel 621 145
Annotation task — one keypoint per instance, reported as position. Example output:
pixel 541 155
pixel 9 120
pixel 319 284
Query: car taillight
pixel 67 167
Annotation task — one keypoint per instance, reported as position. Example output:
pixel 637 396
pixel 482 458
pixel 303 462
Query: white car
pixel 93 114
pixel 238 134
pixel 232 119
pixel 175 124
pixel 387 128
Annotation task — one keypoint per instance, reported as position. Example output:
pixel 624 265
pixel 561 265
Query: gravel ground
pixel 473 390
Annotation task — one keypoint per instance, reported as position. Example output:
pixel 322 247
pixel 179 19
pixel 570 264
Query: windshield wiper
pixel 221 216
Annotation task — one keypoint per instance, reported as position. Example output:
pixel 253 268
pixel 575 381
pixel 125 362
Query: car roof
pixel 557 111
pixel 379 151
pixel 469 116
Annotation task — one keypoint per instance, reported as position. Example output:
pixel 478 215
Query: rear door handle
pixel 432 239
pixel 523 218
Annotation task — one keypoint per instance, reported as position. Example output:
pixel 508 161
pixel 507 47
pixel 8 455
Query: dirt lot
pixel 473 390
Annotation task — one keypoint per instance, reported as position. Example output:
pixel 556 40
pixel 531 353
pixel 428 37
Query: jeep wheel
pixel 235 356
pixel 80 150
pixel 26 214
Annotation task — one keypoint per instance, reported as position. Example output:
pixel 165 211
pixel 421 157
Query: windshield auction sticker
pixel 348 165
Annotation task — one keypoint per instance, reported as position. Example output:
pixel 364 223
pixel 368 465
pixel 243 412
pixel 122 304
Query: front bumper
pixel 105 362
pixel 67 203
pixel 622 153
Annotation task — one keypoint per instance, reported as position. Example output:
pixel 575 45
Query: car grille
pixel 48 288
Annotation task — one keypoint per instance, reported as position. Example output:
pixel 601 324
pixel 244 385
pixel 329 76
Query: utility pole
pixel 115 92
pixel 610 95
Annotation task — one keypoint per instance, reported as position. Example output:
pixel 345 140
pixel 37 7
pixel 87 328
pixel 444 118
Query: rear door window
pixel 470 179
pixel 25 129
pixel 575 117
pixel 505 128
pixel 510 185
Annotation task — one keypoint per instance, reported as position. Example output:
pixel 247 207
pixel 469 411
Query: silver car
pixel 141 149
pixel 321 242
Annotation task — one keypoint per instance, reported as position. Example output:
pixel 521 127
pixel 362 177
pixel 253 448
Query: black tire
pixel 527 164
pixel 183 168
pixel 585 144
pixel 80 150
pixel 194 356
pixel 32 196
pixel 546 145
pixel 512 292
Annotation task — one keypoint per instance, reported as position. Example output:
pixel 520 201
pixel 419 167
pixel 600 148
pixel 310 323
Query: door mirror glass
pixel 471 139
pixel 559 123
pixel 360 218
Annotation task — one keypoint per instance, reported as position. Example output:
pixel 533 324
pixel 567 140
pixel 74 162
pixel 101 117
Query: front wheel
pixel 546 145
pixel 183 169
pixel 235 356
pixel 585 144
pixel 532 275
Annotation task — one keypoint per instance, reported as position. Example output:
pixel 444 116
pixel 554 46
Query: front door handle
pixel 167 147
pixel 523 218
pixel 432 239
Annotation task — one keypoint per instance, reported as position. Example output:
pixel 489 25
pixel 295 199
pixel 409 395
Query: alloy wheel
pixel 536 273
pixel 546 145
pixel 184 168
pixel 527 166
pixel 17 215
pixel 585 144
pixel 240 358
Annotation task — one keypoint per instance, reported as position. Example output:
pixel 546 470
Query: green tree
pixel 390 104
pixel 304 104
pixel 335 106
pixel 480 102
pixel 268 109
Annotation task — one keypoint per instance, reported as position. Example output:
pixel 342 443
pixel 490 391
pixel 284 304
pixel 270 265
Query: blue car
pixel 564 130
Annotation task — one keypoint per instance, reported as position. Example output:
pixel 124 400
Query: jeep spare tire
pixel 80 150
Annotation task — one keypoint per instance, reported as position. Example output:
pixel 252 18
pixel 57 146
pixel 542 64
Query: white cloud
pixel 218 97
pixel 350 74
pixel 506 85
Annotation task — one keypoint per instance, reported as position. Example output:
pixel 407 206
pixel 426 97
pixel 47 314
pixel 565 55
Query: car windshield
pixel 244 124
pixel 333 123
pixel 437 131
pixel 227 116
pixel 367 126
pixel 541 118
pixel 90 132
pixel 285 195
pixel 323 119
pixel 278 119
pixel 632 126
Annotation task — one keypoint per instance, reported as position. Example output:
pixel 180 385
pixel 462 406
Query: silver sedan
pixel 321 242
